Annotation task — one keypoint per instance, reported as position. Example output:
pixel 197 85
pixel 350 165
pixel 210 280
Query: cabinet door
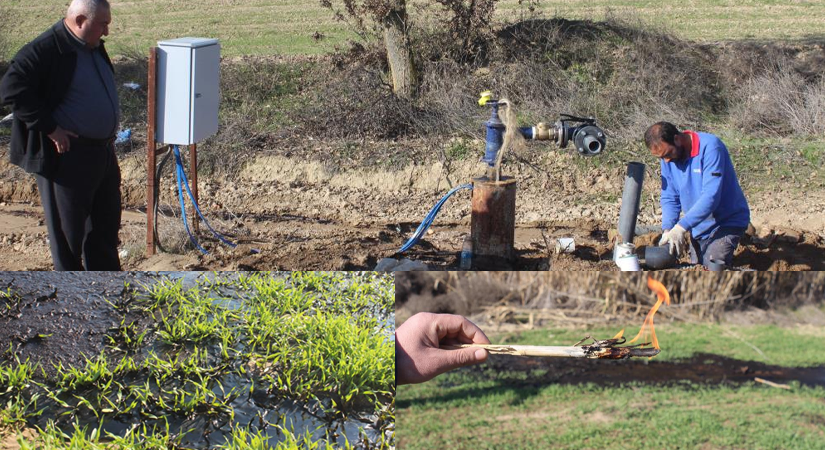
pixel 173 96
pixel 205 93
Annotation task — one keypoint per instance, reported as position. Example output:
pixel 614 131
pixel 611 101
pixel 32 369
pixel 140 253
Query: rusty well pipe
pixel 493 220
pixel 631 195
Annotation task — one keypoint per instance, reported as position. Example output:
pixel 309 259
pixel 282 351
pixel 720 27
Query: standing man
pixel 61 88
pixel 698 179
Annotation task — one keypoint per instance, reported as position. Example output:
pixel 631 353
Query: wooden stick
pixel 586 351
pixel 771 383
pixel 193 181
pixel 151 152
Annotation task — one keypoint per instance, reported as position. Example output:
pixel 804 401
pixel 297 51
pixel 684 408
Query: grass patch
pixel 762 163
pixel 320 341
pixel 460 413
pixel 682 341
pixel 481 408
pixel 461 149
pixel 290 26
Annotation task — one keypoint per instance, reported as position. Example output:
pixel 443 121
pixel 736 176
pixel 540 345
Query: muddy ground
pixel 61 317
pixel 701 369
pixel 293 213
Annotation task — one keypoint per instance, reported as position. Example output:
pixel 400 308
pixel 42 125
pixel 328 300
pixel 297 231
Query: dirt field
pixel 297 213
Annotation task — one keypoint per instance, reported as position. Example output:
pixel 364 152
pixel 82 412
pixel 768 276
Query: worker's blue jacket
pixel 705 187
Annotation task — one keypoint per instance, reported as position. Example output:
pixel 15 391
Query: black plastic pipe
pixel 630 201
pixel 659 258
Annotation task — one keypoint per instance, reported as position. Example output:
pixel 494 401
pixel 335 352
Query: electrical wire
pixel 183 182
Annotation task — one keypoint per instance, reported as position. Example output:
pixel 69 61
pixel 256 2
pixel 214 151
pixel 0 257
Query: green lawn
pixel 266 27
pixel 476 408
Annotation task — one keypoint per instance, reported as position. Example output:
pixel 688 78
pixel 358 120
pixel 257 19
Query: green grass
pixel 780 346
pixel 312 338
pixel 485 415
pixel 464 410
pixel 53 438
pixel 461 148
pixel 763 162
pixel 267 27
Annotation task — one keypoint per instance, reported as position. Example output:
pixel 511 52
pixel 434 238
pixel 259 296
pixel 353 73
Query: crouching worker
pixel 698 180
pixel 61 88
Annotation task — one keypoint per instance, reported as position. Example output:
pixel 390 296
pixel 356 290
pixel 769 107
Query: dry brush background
pixel 594 297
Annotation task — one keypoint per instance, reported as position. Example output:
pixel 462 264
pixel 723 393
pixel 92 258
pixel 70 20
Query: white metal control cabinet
pixel 188 75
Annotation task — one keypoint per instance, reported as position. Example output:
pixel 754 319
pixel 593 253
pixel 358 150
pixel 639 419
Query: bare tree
pixel 391 17
pixel 466 21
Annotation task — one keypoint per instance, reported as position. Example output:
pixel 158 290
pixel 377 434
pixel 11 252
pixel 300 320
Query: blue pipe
pixel 428 220
pixel 495 135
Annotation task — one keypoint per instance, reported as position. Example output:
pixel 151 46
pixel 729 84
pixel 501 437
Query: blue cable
pixel 180 175
pixel 180 198
pixel 428 220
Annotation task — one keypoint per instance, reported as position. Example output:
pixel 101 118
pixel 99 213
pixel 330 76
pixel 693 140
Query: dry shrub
pixel 358 103
pixel 626 77
pixel 595 294
pixel 618 71
pixel 356 100
pixel 132 66
pixel 737 62
pixel 258 95
pixel 615 71
pixel 780 102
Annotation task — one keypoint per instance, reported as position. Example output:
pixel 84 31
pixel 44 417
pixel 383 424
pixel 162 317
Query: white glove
pixel 676 239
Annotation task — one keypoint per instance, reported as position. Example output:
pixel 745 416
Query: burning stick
pixel 647 326
pixel 586 351
pixel 606 349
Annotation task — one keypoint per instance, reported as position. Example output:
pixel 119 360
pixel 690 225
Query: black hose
pixel 157 197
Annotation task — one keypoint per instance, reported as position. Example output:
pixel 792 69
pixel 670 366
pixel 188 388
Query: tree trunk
pixel 399 53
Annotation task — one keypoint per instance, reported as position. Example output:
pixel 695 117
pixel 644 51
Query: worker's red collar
pixel 694 140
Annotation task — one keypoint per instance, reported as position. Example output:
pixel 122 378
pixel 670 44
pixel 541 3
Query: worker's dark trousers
pixel 81 202
pixel 719 246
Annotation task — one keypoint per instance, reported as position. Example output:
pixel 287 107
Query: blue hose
pixel 430 217
pixel 183 182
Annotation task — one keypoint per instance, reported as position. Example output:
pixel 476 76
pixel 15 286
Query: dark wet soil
pixel 701 369
pixel 60 317
pixel 63 318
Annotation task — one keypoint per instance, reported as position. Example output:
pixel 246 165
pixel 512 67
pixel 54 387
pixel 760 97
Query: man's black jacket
pixel 35 84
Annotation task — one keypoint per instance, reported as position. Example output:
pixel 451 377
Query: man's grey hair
pixel 87 8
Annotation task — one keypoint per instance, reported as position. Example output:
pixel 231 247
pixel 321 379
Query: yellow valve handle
pixel 486 96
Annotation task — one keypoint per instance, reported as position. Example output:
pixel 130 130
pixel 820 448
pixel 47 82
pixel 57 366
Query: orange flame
pixel 647 328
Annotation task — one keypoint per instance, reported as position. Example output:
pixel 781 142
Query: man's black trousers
pixel 82 205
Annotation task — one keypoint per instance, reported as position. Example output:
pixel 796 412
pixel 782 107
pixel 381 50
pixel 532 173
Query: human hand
pixel 675 238
pixel 418 341
pixel 60 137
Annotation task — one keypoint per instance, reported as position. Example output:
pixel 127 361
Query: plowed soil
pixel 294 213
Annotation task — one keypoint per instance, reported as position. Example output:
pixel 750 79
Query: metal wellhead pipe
pixel 631 196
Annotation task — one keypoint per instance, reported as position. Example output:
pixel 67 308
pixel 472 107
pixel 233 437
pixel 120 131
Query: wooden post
pixel 493 220
pixel 151 154
pixel 193 183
